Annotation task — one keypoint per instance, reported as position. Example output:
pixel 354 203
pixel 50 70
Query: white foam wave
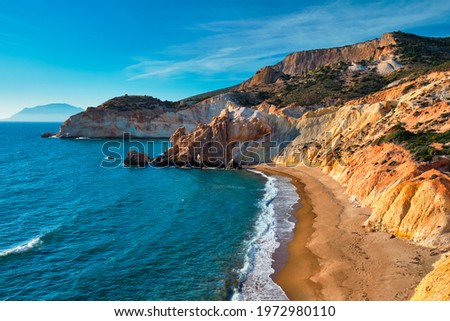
pixel 272 227
pixel 23 247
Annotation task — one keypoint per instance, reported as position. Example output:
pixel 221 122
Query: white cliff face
pixel 146 123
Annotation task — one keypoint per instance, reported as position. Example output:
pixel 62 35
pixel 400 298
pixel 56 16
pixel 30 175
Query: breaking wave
pixel 272 227
pixel 22 248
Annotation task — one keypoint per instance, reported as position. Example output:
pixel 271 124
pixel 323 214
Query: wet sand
pixel 332 257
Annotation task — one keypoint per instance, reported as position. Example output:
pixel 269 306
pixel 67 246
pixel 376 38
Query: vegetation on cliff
pixel 416 51
pixel 419 143
pixel 133 102
pixel 327 86
pixel 334 83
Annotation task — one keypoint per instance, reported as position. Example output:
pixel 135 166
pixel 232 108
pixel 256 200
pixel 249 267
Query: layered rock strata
pixel 159 121
pixel 410 198
pixel 380 51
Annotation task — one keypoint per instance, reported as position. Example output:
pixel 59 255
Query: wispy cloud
pixel 239 46
pixel 205 64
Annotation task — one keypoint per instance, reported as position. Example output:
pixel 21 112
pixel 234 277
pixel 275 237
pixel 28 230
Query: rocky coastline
pixel 385 139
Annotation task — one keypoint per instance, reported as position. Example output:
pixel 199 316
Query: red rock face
pixel 298 62
pixel 266 75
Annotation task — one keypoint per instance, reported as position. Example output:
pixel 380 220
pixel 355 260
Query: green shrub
pixel 418 143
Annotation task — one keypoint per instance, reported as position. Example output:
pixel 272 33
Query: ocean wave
pixel 272 226
pixel 22 248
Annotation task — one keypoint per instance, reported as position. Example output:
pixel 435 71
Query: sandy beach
pixel 332 257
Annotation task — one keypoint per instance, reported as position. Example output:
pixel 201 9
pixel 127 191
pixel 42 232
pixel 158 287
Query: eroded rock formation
pixel 238 136
pixel 385 157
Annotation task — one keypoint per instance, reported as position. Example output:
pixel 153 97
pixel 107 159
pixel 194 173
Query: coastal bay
pixel 332 257
pixel 90 215
pixel 74 230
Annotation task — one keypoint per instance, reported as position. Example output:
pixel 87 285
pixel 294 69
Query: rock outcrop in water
pixel 48 135
pixel 238 136
pixel 138 159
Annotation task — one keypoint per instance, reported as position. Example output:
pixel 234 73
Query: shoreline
pixel 273 230
pixel 302 262
pixel 331 257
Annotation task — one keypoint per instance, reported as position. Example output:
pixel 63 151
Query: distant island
pixel 45 113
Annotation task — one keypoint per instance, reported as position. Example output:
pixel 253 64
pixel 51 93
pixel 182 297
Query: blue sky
pixel 85 52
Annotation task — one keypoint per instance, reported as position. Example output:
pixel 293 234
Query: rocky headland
pixel 142 117
pixel 374 116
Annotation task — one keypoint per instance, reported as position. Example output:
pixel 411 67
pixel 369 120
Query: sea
pixel 74 228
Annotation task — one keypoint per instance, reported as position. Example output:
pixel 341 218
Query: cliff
pixel 237 136
pixel 334 76
pixel 381 51
pixel 435 286
pixel 141 116
pixel 392 155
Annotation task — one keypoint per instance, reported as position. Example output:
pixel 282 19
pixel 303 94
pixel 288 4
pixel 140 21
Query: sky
pixel 86 52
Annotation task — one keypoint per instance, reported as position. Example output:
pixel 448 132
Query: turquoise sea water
pixel 73 230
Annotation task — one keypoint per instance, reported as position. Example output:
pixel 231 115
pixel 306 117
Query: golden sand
pixel 332 257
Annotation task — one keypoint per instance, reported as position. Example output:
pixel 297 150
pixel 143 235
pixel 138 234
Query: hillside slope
pixel 331 77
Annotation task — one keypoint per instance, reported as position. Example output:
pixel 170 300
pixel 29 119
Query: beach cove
pixel 332 257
